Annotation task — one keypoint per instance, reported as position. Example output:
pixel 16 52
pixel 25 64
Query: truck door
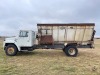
pixel 23 39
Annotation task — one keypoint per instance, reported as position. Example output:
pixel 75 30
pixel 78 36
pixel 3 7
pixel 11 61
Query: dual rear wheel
pixel 71 51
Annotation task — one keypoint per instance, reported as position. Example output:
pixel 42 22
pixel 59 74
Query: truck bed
pixel 81 33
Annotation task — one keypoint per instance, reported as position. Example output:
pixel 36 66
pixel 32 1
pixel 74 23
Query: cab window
pixel 23 34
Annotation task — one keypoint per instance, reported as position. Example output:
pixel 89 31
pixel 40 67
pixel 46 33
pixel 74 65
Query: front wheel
pixel 11 50
pixel 71 51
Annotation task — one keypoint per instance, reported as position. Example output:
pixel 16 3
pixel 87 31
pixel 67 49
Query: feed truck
pixel 68 37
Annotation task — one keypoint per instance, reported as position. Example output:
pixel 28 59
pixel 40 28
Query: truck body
pixel 65 33
pixel 68 37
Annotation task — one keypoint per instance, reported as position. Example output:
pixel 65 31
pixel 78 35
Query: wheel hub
pixel 71 51
pixel 10 50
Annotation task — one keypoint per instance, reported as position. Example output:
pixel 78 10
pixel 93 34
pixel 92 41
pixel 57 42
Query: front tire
pixel 11 50
pixel 71 51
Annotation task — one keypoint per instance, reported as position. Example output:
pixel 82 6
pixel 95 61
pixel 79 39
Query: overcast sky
pixel 25 14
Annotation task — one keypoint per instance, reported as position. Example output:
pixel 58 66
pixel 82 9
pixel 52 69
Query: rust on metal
pixel 46 39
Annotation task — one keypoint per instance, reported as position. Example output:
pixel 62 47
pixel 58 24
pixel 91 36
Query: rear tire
pixel 11 50
pixel 71 51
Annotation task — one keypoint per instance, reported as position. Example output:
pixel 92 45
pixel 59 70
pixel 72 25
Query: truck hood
pixel 10 39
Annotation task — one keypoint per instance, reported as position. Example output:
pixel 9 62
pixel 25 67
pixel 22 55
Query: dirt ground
pixel 51 62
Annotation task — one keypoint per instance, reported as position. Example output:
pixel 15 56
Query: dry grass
pixel 51 62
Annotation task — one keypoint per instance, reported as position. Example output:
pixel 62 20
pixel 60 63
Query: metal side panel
pixel 61 35
pixel 80 33
pixel 88 33
pixel 71 33
pixel 55 33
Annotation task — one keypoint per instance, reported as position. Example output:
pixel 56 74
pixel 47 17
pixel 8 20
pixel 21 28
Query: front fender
pixel 6 43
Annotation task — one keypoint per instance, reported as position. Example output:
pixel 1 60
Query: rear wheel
pixel 11 50
pixel 71 51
